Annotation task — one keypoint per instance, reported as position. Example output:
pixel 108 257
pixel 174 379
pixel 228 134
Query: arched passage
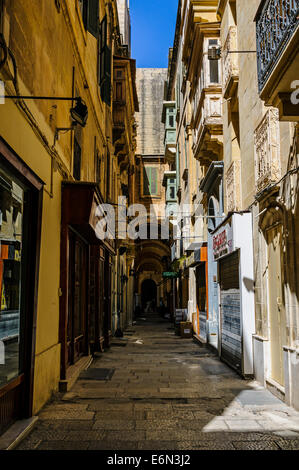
pixel 148 295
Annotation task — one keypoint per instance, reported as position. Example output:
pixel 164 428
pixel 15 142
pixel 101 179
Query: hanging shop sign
pixel 223 241
pixel 170 275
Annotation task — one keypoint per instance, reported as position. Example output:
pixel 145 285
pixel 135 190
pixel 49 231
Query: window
pixel 171 189
pixel 108 175
pixel 90 15
pixel 11 247
pixel 1 15
pixel 214 64
pixel 119 91
pixel 104 63
pixel 150 181
pixel 97 162
pixel 77 160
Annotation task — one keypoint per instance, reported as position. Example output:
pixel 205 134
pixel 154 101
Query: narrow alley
pixel 149 220
pixel 164 392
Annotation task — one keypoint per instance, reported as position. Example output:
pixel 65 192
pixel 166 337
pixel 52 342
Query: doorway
pixel 77 319
pixel 149 295
pixel 276 304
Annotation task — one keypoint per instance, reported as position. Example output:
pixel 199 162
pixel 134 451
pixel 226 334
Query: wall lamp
pixel 79 112
pixel 215 52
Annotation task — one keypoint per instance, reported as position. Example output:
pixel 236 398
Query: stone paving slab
pixel 165 394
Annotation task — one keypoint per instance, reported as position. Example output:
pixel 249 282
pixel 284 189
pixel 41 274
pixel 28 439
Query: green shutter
pixel 154 182
pixel 93 17
pixel 146 181
pixel 150 181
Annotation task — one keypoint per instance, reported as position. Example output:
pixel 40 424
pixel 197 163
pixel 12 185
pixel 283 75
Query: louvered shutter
pixel 102 46
pixel 154 183
pixel 93 17
pixel 146 181
pixel 104 64
pixel 106 95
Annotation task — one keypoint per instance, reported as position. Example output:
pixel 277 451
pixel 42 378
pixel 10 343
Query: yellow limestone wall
pixel 47 44
pixel 25 143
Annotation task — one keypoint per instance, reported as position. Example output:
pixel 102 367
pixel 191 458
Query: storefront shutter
pixel 93 17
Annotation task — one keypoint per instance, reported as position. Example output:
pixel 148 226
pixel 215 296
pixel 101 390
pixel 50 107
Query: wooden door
pixel 277 318
pixel 77 315
pixel 107 299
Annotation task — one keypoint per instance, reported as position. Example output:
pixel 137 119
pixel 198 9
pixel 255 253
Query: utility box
pixel 186 329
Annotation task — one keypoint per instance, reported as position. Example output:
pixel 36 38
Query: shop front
pixel 232 249
pixel 198 261
pixel 86 264
pixel 20 222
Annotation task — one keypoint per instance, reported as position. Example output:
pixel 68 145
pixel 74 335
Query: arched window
pixel 213 210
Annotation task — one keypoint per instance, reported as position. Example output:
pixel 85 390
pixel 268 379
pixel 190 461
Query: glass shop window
pixel 11 237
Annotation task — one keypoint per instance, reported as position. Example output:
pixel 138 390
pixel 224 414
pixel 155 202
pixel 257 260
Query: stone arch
pixel 148 293
pixel 273 215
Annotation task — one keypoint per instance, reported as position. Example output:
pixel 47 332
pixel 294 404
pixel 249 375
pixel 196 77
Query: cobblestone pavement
pixel 166 393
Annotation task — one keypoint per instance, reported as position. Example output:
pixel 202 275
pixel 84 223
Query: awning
pixel 200 255
pixel 79 203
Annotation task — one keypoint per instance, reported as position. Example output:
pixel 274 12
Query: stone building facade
pixel 152 256
pixel 244 132
pixel 59 59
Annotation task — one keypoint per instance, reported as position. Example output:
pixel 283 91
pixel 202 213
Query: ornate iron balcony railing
pixel 276 22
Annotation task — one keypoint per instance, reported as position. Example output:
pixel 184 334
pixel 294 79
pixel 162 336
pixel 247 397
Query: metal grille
pixel 275 25
pixel 9 409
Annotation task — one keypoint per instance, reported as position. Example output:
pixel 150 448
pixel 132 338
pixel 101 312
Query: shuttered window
pixel 77 160
pixel 104 64
pixel 93 17
pixel 150 181
pixel 108 176
pixel 214 65
pixel 90 15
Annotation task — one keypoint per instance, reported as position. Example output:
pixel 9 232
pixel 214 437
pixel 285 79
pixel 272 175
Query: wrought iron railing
pixel 276 22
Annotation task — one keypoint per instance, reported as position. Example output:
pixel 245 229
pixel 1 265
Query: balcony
pixel 230 64
pixel 168 118
pixel 208 128
pixel 277 34
pixel 169 182
pixel 267 151
pixel 123 110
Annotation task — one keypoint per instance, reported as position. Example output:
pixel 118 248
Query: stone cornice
pixel 221 8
